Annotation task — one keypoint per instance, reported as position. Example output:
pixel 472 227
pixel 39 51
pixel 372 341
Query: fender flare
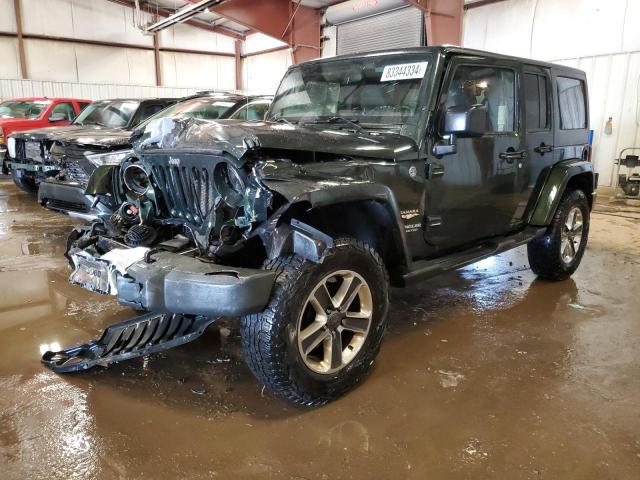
pixel 554 187
pixel 346 193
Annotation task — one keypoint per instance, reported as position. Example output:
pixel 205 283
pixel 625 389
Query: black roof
pixel 446 50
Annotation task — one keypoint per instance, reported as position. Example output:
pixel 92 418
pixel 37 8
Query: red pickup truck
pixel 28 113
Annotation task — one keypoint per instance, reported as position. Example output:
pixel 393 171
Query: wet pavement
pixel 484 373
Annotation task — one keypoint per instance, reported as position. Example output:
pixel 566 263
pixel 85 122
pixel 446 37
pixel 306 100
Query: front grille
pixel 56 204
pixel 188 190
pixel 20 154
pixel 74 166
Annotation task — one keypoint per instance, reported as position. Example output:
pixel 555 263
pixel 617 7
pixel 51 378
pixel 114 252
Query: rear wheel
pixel 24 183
pixel 557 254
pixel 323 326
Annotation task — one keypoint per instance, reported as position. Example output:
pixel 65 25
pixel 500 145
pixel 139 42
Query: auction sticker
pixel 404 71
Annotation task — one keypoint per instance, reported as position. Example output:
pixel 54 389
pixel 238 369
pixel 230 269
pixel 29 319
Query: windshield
pixel 108 114
pixel 29 110
pixel 382 89
pixel 205 108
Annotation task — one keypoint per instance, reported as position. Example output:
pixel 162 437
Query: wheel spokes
pixel 312 336
pixel 357 322
pixel 321 300
pixel 348 292
pixel 334 353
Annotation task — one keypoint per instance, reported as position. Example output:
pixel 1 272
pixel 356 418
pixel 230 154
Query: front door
pixel 471 194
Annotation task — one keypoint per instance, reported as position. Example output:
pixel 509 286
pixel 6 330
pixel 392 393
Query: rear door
pixel 538 121
pixel 471 194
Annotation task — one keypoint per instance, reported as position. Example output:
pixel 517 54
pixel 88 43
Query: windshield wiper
pixel 281 119
pixel 337 119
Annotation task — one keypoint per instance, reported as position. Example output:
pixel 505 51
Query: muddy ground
pixel 484 373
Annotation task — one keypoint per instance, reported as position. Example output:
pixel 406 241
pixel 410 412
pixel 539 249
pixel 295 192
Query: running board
pixel 149 333
pixel 424 269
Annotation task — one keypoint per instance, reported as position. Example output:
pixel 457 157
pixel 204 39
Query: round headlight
pixel 229 184
pixel 136 179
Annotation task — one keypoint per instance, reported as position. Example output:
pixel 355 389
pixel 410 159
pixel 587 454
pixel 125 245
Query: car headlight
pixel 11 147
pixel 229 184
pixel 109 158
pixel 136 179
pixel 1 135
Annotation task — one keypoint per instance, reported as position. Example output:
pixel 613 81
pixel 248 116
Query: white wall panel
pixel 601 38
pixel 47 60
pixel 258 42
pixel 262 73
pixel 10 64
pixel 190 38
pixel 88 20
pixel 185 69
pixel 7 16
pixel 31 88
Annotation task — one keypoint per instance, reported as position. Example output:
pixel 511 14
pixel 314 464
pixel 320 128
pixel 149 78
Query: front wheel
pixel 323 326
pixel 557 254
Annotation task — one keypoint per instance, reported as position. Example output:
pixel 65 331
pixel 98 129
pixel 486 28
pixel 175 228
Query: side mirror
pixel 57 117
pixel 465 122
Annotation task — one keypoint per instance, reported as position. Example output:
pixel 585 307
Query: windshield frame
pixel 101 104
pixel 169 111
pixel 46 104
pixel 408 126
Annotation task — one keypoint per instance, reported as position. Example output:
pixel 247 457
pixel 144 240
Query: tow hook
pixel 137 337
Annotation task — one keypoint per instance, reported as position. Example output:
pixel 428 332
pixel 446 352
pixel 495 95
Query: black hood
pixel 106 138
pixel 48 133
pixel 238 137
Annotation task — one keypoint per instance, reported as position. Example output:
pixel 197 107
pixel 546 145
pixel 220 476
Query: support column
pixel 442 19
pixel 156 54
pixel 238 65
pixel 17 7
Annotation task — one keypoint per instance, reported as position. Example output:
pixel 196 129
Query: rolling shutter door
pixel 399 28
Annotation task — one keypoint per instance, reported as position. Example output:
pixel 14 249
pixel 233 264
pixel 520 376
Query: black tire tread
pixel 263 350
pixel 543 252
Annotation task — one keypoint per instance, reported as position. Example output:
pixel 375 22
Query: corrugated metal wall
pixel 36 88
pixel 601 38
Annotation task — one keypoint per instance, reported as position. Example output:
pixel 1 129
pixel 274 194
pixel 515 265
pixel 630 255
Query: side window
pixel 149 109
pixel 491 87
pixel 572 101
pixel 66 109
pixel 83 105
pixel 536 102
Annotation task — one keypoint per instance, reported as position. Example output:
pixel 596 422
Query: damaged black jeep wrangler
pixel 371 170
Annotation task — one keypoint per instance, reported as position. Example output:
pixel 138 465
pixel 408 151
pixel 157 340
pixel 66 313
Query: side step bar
pixel 149 333
pixel 424 269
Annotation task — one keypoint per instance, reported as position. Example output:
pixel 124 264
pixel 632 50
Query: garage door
pixel 396 29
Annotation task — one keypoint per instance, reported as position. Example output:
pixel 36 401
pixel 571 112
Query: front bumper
pixel 71 200
pixel 177 284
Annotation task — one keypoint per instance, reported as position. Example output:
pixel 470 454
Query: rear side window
pixel 572 101
pixel 536 102
pixel 65 109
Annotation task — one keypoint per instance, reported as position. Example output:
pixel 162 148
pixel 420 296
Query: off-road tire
pixel 545 252
pixel 25 184
pixel 269 338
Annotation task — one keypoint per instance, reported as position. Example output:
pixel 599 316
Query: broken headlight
pixel 110 158
pixel 136 179
pixel 229 183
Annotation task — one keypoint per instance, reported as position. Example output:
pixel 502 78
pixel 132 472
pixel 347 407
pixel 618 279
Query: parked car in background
pixel 75 155
pixel 27 113
pixel 28 151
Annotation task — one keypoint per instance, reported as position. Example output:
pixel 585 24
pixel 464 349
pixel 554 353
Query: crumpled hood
pixel 238 137
pixel 47 133
pixel 100 137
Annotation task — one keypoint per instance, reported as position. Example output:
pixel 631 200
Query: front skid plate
pixel 149 333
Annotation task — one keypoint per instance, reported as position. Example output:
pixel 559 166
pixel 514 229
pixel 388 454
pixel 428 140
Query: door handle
pixel 542 149
pixel 435 170
pixel 511 155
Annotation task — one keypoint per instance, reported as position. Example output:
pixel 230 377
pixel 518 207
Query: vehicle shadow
pixel 210 378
